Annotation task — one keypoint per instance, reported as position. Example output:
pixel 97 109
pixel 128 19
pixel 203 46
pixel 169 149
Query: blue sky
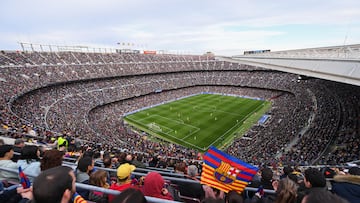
pixel 181 26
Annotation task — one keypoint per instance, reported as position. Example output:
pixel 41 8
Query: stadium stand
pixel 83 96
pixel 50 95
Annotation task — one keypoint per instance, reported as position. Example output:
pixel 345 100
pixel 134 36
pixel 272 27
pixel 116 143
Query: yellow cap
pixel 125 170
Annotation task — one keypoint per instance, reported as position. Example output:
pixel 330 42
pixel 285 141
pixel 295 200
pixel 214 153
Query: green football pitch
pixel 200 121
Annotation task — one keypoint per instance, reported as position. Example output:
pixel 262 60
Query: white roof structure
pixel 337 63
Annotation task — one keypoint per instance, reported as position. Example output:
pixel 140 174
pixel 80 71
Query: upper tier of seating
pixel 86 94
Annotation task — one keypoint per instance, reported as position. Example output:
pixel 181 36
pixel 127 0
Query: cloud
pixel 179 24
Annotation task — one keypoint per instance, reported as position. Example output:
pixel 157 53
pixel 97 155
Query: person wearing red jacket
pixel 123 179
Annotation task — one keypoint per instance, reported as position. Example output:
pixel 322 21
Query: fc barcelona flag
pixel 226 172
pixel 24 180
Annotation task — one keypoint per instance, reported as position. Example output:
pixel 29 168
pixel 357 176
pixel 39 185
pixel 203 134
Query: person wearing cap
pixel 6 153
pixel 348 186
pixel 123 179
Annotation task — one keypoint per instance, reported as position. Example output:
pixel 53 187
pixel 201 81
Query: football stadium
pixel 128 123
pixel 170 108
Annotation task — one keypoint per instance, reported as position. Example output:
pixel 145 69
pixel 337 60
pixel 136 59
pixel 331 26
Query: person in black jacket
pixel 195 189
pixel 15 194
pixel 18 145
pixel 265 182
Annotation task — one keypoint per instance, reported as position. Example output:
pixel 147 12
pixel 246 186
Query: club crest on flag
pixel 225 173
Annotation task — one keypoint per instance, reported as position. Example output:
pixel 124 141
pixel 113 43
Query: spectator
pixel 130 195
pixel 314 180
pixel 348 186
pixel 54 185
pixel 180 168
pixel 128 159
pixel 123 178
pixel 322 196
pixel 265 181
pixel 30 161
pixel 286 191
pixel 107 164
pixel 15 194
pixel 18 145
pixel 62 143
pixel 98 178
pixel 153 162
pixel 138 161
pixel 6 153
pixel 233 197
pixel 212 200
pixel 213 193
pixel 286 171
pixel 194 190
pixel 85 165
pixel 154 186
pixel 51 158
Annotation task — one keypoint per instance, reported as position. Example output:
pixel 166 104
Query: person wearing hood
pixel 30 161
pixel 348 186
pixel 154 186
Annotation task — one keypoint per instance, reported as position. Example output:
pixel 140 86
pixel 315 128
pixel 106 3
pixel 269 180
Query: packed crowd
pixel 85 95
pixel 14 58
pixel 53 178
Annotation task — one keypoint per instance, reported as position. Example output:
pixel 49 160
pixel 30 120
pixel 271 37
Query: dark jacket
pixel 17 153
pixel 303 191
pixel 266 184
pixel 347 187
pixel 98 197
pixel 188 189
pixel 10 195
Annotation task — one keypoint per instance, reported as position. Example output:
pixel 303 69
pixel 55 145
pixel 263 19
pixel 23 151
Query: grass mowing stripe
pixel 198 121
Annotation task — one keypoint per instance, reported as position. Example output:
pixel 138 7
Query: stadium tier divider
pixel 161 169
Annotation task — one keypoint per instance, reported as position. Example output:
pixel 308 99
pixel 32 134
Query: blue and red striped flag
pixel 225 172
pixel 24 180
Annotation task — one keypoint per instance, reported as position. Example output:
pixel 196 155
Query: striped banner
pixel 226 172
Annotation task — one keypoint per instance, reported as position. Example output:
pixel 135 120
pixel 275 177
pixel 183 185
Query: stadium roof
pixel 337 63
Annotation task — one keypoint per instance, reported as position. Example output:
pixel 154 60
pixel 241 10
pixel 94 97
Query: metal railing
pixel 100 189
pixel 178 179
